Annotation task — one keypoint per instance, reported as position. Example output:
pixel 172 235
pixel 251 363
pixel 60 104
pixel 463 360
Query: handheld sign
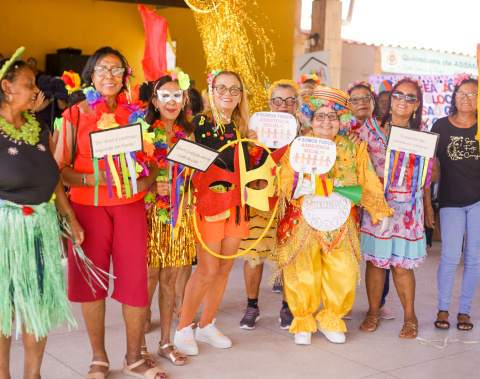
pixel 114 141
pixel 274 129
pixel 412 141
pixel 310 155
pixel 192 154
pixel 326 213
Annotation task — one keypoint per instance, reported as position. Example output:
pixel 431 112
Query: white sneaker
pixel 211 335
pixel 335 337
pixel 185 342
pixel 303 338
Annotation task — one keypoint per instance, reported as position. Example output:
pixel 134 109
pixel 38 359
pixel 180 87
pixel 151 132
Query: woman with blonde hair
pixel 226 121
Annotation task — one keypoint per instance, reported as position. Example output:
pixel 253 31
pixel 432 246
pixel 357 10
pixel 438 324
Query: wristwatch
pixel 84 180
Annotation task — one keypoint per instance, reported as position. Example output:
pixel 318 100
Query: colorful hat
pixel 15 57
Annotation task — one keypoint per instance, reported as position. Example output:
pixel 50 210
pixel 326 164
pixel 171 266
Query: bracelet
pixel 68 214
pixel 84 180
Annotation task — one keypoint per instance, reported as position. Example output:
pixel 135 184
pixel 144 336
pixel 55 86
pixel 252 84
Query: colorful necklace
pixel 164 203
pixel 28 132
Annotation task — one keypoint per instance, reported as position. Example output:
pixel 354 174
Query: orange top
pixel 83 158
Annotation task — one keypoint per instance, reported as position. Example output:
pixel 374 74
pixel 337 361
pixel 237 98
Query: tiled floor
pixel 269 352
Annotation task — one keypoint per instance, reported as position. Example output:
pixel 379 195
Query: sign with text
pixel 412 141
pixel 274 129
pixel 193 155
pixel 114 141
pixel 326 213
pixel 311 155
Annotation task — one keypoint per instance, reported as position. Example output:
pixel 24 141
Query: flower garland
pixel 317 76
pixel 358 83
pixel 28 132
pixel 283 82
pixel 460 78
pixel 163 203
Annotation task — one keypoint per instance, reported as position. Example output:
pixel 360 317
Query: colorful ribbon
pixel 429 173
pixel 132 172
pixel 116 179
pixel 390 158
pixel 108 177
pixel 123 165
pixel 402 171
pixel 97 175
pixel 398 168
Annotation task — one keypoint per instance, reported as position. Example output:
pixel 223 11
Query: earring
pixel 156 109
pixel 414 114
pixel 9 97
pixel 390 111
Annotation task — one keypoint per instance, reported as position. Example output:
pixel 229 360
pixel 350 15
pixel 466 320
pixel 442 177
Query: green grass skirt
pixel 32 286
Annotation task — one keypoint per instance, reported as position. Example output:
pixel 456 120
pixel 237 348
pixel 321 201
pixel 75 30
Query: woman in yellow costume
pixel 323 266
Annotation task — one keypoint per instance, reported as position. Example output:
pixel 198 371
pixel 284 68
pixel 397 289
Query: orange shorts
pixel 216 231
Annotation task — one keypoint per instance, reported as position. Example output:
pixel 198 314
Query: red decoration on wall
pixel 155 55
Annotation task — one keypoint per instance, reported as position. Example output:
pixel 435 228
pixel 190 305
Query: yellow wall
pixel 44 26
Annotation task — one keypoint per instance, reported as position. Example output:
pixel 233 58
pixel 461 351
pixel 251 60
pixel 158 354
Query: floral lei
pixel 163 203
pixel 28 132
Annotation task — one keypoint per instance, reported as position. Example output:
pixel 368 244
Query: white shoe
pixel 211 335
pixel 303 338
pixel 335 337
pixel 185 342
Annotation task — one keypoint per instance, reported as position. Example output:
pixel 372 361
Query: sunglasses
pixel 115 71
pixel 321 117
pixel 409 98
pixel 234 91
pixel 470 96
pixel 278 101
pixel 365 99
pixel 165 96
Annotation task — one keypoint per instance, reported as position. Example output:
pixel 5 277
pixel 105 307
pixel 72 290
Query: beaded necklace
pixel 28 132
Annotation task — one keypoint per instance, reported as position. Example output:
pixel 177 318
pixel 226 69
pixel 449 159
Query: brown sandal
pixel 174 356
pixel 407 328
pixel 370 324
pixel 147 356
pixel 149 374
pixel 98 374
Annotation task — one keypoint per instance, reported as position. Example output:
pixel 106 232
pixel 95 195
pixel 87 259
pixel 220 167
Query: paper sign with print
pixel 326 213
pixel 310 155
pixel 274 129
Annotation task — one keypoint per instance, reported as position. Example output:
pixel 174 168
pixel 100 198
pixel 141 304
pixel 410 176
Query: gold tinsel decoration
pixel 223 26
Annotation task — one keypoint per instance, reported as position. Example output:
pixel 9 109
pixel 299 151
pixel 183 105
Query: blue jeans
pixel 454 222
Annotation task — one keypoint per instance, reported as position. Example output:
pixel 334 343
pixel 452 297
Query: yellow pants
pixel 330 280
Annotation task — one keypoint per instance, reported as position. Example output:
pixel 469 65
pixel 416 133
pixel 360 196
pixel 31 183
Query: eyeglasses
pixel 165 96
pixel 115 71
pixel 365 99
pixel 320 117
pixel 234 91
pixel 409 98
pixel 461 95
pixel 278 101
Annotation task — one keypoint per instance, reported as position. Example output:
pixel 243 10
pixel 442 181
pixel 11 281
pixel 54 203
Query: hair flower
pixel 460 78
pixel 183 81
pixel 72 81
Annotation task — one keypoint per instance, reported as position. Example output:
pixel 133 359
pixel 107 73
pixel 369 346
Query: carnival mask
pixel 165 96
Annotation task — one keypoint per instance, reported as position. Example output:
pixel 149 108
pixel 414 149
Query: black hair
pixel 195 100
pixel 154 115
pixel 453 107
pixel 10 75
pixel 75 98
pixel 146 90
pixel 99 54
pixel 376 109
pixel 415 122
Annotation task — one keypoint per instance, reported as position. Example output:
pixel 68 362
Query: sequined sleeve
pixel 287 175
pixel 373 199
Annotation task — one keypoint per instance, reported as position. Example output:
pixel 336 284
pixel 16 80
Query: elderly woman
pixel 31 274
pixel 362 101
pixel 459 200
pixel 227 120
pixel 323 266
pixel 283 97
pixel 402 246
pixel 116 227
pixel 168 252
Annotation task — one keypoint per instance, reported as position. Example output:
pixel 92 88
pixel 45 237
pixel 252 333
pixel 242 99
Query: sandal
pixel 370 324
pixel 409 327
pixel 464 325
pixel 147 355
pixel 441 324
pixel 149 374
pixel 99 374
pixel 173 356
pixel 148 321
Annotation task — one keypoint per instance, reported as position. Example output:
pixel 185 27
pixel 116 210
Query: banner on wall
pixel 317 62
pixel 396 60
pixel 437 93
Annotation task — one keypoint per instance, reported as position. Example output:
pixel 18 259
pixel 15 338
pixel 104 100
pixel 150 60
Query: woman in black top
pixel 31 274
pixel 225 122
pixel 459 194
